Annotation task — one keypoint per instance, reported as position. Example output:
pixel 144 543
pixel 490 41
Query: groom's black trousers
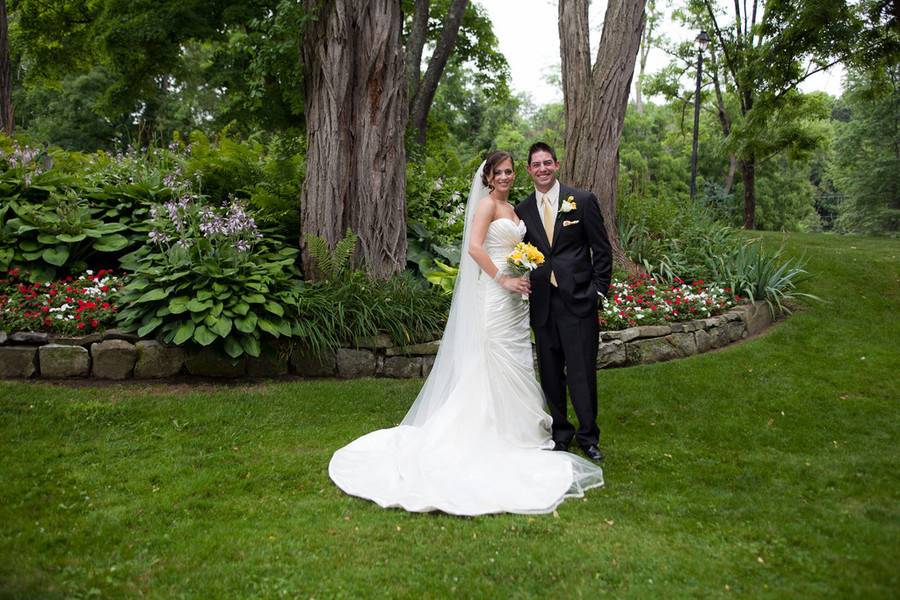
pixel 567 354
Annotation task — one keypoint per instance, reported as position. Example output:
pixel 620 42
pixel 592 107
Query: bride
pixel 477 439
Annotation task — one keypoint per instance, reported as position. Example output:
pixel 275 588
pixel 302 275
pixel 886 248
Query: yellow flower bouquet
pixel 524 259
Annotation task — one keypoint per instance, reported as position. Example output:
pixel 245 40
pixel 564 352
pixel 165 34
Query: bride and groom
pixel 478 439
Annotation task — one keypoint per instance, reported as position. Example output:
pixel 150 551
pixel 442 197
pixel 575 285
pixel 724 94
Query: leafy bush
pixel 751 271
pixel 346 306
pixel 71 306
pixel 209 278
pixel 696 247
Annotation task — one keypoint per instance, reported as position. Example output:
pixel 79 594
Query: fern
pixel 331 264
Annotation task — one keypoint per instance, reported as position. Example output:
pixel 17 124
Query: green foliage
pixel 46 224
pixel 268 175
pixel 866 159
pixel 694 246
pixel 332 264
pixel 753 272
pixel 208 276
pixel 355 307
pixel 344 305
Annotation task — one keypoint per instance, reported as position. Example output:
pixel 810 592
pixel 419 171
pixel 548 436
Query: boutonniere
pixel 568 205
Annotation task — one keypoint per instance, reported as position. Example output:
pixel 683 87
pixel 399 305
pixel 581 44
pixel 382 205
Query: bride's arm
pixel 483 217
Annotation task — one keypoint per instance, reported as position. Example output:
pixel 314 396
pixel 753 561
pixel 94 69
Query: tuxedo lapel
pixel 563 194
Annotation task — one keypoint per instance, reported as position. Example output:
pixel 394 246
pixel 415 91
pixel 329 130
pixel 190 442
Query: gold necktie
pixel 548 227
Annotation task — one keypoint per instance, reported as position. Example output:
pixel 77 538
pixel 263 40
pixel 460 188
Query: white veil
pixel 463 343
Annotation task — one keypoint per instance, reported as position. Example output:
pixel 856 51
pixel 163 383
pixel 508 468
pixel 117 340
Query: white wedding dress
pixel 477 440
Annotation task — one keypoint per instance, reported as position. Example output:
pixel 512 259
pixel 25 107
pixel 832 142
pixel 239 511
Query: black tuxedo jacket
pixel 580 255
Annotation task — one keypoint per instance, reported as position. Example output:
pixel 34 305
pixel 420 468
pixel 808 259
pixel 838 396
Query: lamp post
pixel 701 41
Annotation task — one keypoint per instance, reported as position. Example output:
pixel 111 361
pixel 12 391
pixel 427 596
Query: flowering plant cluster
pixel 640 300
pixel 31 161
pixel 70 306
pixel 189 229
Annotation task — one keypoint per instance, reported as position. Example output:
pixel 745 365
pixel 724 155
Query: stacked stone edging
pixel 117 355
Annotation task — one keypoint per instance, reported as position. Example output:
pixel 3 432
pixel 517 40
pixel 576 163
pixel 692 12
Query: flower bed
pixel 70 306
pixel 639 300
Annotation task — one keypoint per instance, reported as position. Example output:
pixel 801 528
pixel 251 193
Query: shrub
pixel 346 305
pixel 209 278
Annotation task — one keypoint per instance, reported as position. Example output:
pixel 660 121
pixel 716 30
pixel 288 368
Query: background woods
pixel 370 117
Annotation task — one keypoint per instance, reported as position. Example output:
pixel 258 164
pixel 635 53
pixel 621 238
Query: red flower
pixel 95 323
pixel 80 326
pixel 45 309
pixel 104 288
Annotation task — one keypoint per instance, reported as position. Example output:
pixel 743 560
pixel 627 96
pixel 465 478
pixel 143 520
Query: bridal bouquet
pixel 524 259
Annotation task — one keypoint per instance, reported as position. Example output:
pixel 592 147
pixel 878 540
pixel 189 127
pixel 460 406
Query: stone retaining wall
pixel 115 355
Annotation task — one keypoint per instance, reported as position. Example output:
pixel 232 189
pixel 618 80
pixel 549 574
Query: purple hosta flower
pixel 154 212
pixel 169 180
pixel 183 243
pixel 173 146
pixel 242 246
pixel 175 212
pixel 238 221
pixel 210 223
pixel 157 236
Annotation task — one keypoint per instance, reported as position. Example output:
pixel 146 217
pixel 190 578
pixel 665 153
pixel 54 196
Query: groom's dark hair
pixel 541 147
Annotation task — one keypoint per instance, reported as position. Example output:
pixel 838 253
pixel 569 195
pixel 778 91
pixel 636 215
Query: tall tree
pixel 649 38
pixel 866 162
pixel 768 49
pixel 356 115
pixel 595 99
pixel 423 91
pixel 6 106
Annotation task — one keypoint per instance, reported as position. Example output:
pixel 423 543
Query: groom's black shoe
pixel 592 452
pixel 560 447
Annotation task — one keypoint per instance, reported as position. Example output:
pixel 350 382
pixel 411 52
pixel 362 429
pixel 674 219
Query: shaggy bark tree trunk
pixel 421 103
pixel 595 101
pixel 7 124
pixel 356 115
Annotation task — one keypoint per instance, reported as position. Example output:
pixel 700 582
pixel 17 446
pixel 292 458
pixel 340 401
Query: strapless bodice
pixel 502 236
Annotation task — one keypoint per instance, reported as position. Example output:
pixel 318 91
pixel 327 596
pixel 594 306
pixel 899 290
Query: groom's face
pixel 542 169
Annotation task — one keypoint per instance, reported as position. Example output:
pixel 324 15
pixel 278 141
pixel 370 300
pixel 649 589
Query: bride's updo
pixel 492 161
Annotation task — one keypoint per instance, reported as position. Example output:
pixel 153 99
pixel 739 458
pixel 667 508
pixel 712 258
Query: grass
pixel 768 469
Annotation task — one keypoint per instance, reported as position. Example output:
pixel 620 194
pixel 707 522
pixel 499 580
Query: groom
pixel 566 225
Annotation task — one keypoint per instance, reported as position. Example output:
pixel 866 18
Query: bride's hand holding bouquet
pixel 524 259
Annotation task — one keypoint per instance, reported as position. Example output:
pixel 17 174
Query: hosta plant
pixel 207 277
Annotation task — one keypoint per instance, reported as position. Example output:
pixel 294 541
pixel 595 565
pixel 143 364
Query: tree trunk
pixel 414 46
pixel 7 124
pixel 748 173
pixel 421 104
pixel 595 103
pixel 644 52
pixel 356 115
pixel 732 169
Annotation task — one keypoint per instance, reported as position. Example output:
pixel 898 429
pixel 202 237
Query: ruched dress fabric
pixel 487 449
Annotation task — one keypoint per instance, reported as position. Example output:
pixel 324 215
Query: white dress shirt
pixel 554 200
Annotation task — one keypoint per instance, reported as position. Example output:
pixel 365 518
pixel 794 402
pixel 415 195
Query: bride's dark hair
pixel 492 161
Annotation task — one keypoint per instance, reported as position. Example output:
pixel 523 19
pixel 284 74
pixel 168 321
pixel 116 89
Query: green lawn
pixel 768 469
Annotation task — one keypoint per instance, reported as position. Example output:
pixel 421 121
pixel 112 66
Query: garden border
pixel 116 355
